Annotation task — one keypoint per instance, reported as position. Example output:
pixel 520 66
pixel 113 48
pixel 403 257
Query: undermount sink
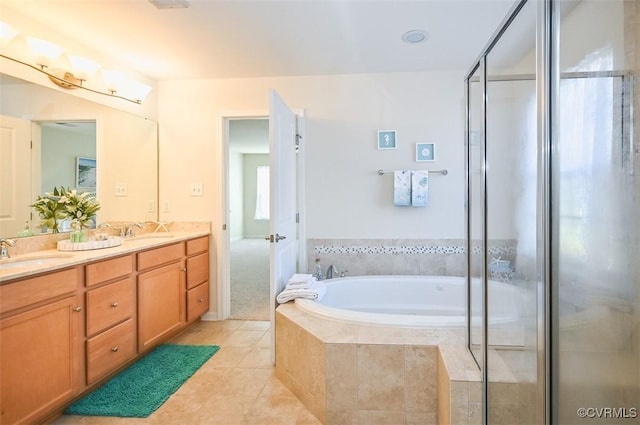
pixel 31 261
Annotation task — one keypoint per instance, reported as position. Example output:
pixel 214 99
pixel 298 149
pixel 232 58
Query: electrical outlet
pixel 197 189
pixel 121 189
pixel 151 206
pixel 165 206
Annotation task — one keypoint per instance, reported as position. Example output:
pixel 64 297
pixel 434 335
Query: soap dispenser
pixel 318 270
pixel 26 231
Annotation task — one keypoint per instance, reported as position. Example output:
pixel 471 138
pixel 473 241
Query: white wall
pixel 345 196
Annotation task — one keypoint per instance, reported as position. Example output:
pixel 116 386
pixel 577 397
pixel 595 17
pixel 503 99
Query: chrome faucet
pixel 330 272
pixel 131 230
pixel 4 252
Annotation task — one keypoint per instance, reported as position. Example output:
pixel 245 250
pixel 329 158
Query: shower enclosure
pixel 553 208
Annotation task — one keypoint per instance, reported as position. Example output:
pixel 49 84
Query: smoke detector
pixel 170 4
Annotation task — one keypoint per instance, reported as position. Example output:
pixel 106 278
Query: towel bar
pixel 444 172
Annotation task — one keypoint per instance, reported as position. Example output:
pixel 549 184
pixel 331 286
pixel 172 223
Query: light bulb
pixel 44 51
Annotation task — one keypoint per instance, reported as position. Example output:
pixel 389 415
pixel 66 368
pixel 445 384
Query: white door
pixel 282 228
pixel 15 175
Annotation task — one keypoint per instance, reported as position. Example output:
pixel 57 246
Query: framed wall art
pixel 85 173
pixel 425 152
pixel 387 139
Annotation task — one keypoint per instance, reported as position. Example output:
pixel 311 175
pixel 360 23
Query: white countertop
pixel 54 259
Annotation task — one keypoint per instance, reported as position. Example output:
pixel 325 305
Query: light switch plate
pixel 197 189
pixel 121 189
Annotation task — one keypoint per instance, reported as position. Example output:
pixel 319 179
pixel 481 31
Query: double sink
pixel 48 258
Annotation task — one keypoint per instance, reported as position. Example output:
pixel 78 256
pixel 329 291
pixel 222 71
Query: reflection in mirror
pixel 67 132
pixel 67 151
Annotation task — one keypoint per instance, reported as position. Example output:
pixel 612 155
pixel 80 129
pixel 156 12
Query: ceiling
pixel 265 38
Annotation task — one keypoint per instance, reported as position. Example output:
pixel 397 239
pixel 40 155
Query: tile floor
pixel 237 386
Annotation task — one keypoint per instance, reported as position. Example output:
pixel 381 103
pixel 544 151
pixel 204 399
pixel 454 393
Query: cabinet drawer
pixel 110 304
pixel 158 256
pixel 110 349
pixel 195 246
pixel 24 292
pixel 197 270
pixel 197 301
pixel 110 269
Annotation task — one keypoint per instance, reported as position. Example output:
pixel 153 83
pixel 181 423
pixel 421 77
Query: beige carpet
pixel 250 279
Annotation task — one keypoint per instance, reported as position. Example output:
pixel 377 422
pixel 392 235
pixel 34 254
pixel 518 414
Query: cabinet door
pixel 161 303
pixel 40 360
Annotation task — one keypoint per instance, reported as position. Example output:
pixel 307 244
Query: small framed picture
pixel 387 139
pixel 85 173
pixel 425 152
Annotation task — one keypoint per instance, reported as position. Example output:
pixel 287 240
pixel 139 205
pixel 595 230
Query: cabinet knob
pixel 184 269
pixel 115 349
pixel 77 309
pixel 200 300
pixel 114 304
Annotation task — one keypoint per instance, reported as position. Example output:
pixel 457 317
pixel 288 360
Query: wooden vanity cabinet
pixel 110 316
pixel 64 332
pixel 41 336
pixel 161 287
pixel 197 277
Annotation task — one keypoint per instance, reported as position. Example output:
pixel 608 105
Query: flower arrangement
pixel 82 207
pixel 63 204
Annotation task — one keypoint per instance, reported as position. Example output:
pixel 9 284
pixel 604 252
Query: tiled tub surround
pixel 435 257
pixel 357 374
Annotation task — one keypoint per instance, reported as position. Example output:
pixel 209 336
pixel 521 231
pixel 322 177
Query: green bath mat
pixel 140 389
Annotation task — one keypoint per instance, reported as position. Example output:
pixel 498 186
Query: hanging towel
pixel 402 187
pixel 419 188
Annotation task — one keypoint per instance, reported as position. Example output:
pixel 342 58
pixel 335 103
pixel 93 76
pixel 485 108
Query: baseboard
pixel 209 316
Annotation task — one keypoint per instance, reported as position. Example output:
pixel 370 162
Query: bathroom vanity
pixel 69 325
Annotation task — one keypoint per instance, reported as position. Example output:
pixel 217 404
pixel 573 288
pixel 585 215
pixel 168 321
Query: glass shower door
pixel 512 222
pixel 596 208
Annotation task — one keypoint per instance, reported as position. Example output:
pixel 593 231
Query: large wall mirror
pixel 47 137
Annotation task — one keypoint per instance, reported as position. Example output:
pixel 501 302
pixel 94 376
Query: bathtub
pixel 409 301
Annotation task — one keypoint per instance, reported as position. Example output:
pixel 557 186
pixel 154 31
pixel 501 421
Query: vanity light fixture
pixel 7 33
pixel 45 53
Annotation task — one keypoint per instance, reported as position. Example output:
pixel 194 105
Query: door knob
pixel 276 239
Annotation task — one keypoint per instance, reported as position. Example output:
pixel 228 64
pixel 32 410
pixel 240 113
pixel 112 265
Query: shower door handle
pixel 275 239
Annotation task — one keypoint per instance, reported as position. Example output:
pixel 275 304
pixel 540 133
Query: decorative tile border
pixel 409 249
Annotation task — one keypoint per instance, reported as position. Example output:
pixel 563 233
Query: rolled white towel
pixel 301 281
pixel 300 277
pixel 311 294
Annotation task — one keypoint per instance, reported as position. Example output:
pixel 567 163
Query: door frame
pixel 223 245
